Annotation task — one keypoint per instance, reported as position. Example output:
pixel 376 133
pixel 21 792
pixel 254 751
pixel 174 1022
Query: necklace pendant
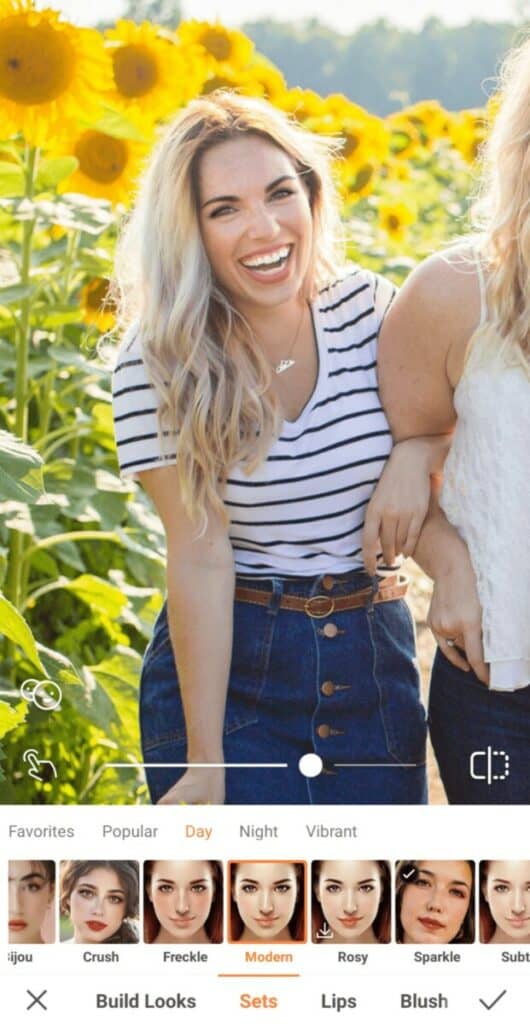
pixel 283 365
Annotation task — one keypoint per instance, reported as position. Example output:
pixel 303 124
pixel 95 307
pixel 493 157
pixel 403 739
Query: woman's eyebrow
pixel 33 874
pixel 235 199
pixel 171 881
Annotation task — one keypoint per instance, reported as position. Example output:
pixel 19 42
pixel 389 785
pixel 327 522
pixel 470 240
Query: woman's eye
pixel 367 888
pixel 281 193
pixel 333 887
pixel 165 888
pixel 85 893
pixel 500 888
pixel 198 888
pixel 422 883
pixel 458 892
pixel 34 887
pixel 282 888
pixel 221 211
pixel 249 888
pixel 115 899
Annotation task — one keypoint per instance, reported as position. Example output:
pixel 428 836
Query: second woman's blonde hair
pixel 212 382
pixel 502 211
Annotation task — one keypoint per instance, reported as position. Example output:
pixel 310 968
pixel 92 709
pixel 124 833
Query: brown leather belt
pixel 321 605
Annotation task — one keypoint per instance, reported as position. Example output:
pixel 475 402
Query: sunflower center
pixel 135 70
pixel 217 43
pixel 216 82
pixel 351 143
pixel 101 157
pixel 393 222
pixel 96 294
pixel 36 61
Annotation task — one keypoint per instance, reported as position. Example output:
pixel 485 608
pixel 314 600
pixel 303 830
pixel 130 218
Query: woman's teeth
pixel 268 261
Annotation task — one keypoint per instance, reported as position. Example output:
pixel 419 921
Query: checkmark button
pixel 489 1006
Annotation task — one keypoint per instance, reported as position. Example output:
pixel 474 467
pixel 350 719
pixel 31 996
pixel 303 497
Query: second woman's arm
pixel 200 586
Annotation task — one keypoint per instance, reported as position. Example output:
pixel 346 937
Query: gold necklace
pixel 288 361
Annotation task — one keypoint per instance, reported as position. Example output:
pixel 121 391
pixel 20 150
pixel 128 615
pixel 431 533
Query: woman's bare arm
pixel 200 584
pixel 421 354
pixel 399 505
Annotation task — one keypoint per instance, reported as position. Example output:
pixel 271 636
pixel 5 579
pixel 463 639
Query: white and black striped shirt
pixel 302 511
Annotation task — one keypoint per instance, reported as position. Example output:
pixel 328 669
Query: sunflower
pixel 109 165
pixel 430 119
pixel 304 104
pixel 394 218
pixel 469 131
pixel 97 308
pixel 51 73
pixel 152 69
pixel 406 140
pixel 365 138
pixel 223 45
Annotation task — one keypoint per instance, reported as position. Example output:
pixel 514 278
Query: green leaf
pixel 119 677
pixel 20 470
pixel 15 293
pixel 11 179
pixel 52 171
pixel 16 629
pixel 74 210
pixel 11 717
pixel 101 596
pixel 117 125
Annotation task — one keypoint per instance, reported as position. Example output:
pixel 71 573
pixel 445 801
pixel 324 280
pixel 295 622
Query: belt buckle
pixel 318 613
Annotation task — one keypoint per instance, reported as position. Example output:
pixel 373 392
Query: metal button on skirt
pixel 343 686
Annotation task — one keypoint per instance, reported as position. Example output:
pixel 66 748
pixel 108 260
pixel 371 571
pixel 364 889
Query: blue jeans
pixel 474 731
pixel 293 690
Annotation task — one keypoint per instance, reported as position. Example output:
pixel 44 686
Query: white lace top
pixel 486 496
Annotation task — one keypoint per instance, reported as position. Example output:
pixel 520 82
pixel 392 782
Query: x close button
pixel 36 1000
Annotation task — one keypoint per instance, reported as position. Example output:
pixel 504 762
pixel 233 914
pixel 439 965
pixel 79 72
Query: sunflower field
pixel 81 552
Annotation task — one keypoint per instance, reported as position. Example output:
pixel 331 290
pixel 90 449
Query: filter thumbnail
pixel 350 901
pixel 183 901
pixel 435 901
pixel 505 901
pixel 99 901
pixel 31 901
pixel 267 901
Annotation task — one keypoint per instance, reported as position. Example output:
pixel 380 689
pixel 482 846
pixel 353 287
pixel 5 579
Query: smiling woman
pixel 245 400
pixel 505 901
pixel 434 901
pixel 31 887
pixel 351 901
pixel 101 900
pixel 183 901
pixel 267 901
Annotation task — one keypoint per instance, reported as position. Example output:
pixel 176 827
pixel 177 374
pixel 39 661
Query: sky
pixel 340 14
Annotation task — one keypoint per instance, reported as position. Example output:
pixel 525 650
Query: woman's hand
pixel 197 786
pixel 455 616
pixel 399 504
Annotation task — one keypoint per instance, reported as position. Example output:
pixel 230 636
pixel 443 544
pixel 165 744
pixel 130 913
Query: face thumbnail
pixel 506 892
pixel 97 905
pixel 181 893
pixel 434 898
pixel 30 901
pixel 265 896
pixel 349 894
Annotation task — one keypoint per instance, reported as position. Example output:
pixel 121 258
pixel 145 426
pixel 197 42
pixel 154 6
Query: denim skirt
pixel 481 737
pixel 344 686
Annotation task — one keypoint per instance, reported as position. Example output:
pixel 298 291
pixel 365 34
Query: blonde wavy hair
pixel 502 211
pixel 211 379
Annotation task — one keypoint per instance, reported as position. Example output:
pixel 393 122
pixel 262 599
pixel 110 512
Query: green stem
pixel 17 539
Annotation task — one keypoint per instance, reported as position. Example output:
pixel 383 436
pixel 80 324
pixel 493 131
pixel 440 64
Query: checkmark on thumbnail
pixel 408 874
